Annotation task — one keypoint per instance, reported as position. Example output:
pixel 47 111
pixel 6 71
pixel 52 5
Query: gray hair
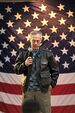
pixel 35 32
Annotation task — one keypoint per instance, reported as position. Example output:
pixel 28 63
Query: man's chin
pixel 35 47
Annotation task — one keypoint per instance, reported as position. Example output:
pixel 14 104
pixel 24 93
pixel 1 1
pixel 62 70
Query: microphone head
pixel 29 49
pixel 30 52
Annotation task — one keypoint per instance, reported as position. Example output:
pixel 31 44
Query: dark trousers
pixel 43 99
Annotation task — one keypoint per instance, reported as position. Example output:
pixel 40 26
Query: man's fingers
pixel 28 61
pixel 29 57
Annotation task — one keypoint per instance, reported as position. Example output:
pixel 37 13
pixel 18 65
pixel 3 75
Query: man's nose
pixel 36 42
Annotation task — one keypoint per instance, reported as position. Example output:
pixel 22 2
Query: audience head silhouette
pixel 30 106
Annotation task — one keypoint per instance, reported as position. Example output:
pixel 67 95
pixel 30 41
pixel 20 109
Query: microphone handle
pixel 30 54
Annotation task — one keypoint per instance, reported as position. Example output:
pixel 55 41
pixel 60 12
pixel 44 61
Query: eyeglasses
pixel 36 41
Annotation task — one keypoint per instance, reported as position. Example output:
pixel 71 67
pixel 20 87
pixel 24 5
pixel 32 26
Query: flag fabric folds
pixel 56 20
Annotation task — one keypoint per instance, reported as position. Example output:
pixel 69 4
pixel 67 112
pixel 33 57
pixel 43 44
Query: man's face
pixel 36 41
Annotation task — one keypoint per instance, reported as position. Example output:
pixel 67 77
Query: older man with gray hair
pixel 41 71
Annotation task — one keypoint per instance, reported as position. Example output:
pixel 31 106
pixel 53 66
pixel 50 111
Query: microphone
pixel 30 54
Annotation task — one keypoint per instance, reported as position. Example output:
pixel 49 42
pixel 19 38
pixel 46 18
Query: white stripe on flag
pixel 57 100
pixel 11 98
pixel 10 78
pixel 66 78
pixel 63 100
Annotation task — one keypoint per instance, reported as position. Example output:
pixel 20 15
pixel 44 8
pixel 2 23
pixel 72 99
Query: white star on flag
pixel 27 23
pixel 1 16
pixel 63 36
pixel 26 8
pixel 36 28
pixel 19 31
pixel 54 29
pixel 71 28
pixel 52 14
pixel 57 58
pixel 43 7
pixel 70 13
pixel 73 57
pixel 13 53
pixel 2 31
pixel 55 43
pixel 65 65
pixel 35 15
pixel 21 45
pixel 1 64
pixel 64 51
pixel 8 9
pixel 5 45
pixel 7 59
pixel 72 43
pixel 11 38
pixel 61 7
pixel 18 16
pixel 10 23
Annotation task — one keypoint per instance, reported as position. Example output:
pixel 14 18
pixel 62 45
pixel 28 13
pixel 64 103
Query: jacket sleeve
pixel 54 69
pixel 20 67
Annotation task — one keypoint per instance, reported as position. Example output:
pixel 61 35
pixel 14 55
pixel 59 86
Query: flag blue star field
pixel 56 20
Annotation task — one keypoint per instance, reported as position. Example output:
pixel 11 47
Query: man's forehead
pixel 36 37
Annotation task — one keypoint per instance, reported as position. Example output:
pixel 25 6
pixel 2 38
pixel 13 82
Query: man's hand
pixel 28 61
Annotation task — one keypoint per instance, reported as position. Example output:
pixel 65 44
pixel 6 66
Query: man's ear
pixel 40 43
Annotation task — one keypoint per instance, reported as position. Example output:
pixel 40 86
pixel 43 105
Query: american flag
pixel 56 19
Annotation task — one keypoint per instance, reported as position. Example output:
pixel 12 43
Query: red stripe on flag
pixel 63 89
pixel 58 90
pixel 7 108
pixel 63 109
pixel 10 88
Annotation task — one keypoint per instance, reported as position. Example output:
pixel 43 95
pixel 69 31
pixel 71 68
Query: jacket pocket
pixel 45 78
pixel 44 63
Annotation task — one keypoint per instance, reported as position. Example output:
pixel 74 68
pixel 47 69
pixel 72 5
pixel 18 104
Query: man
pixel 30 106
pixel 41 71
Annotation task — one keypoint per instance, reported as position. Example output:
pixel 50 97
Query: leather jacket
pixel 46 66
